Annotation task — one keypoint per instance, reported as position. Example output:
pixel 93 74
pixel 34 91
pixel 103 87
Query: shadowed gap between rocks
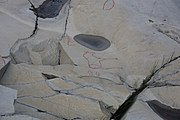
pixel 164 111
pixel 128 103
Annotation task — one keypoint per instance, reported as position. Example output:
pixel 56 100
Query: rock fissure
pixel 128 103
pixel 66 21
pixel 39 110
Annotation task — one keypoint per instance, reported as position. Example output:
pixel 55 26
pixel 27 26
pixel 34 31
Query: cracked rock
pixel 69 96
pixel 49 8
pixel 45 53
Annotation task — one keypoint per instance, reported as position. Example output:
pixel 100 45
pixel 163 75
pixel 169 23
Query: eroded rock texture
pixel 46 53
pixel 89 58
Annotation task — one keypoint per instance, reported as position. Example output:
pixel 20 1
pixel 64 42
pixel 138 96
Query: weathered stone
pixel 73 96
pixel 169 31
pixel 138 45
pixel 18 117
pixel 7 98
pixel 22 55
pixel 46 53
pixel 135 80
pixel 142 35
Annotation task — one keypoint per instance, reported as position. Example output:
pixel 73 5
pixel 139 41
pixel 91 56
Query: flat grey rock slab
pixel 7 98
pixel 18 117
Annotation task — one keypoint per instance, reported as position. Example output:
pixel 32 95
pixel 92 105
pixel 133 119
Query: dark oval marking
pixel 49 8
pixel 93 42
pixel 164 111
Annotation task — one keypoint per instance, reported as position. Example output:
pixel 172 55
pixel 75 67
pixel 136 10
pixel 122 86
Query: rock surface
pixel 18 117
pixel 77 95
pixel 4 64
pixel 7 100
pixel 57 77
pixel 43 53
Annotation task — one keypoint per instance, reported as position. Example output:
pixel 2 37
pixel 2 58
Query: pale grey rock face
pixel 106 49
pixel 22 55
pixel 141 111
pixel 46 53
pixel 7 98
pixel 171 32
pixel 49 52
pixel 18 117
pixel 68 94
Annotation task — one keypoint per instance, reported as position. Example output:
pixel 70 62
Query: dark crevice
pixel 59 60
pixel 41 111
pixel 151 21
pixel 65 29
pixel 36 21
pixel 128 103
pixel 3 70
pixel 123 109
pixel 164 111
pixel 48 9
pixel 35 28
pixel 172 33
pixel 9 114
pixel 49 76
pixel 66 22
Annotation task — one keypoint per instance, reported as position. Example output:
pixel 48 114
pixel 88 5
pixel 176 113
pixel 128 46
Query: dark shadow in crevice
pixel 47 76
pixel 36 22
pixel 3 70
pixel 164 111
